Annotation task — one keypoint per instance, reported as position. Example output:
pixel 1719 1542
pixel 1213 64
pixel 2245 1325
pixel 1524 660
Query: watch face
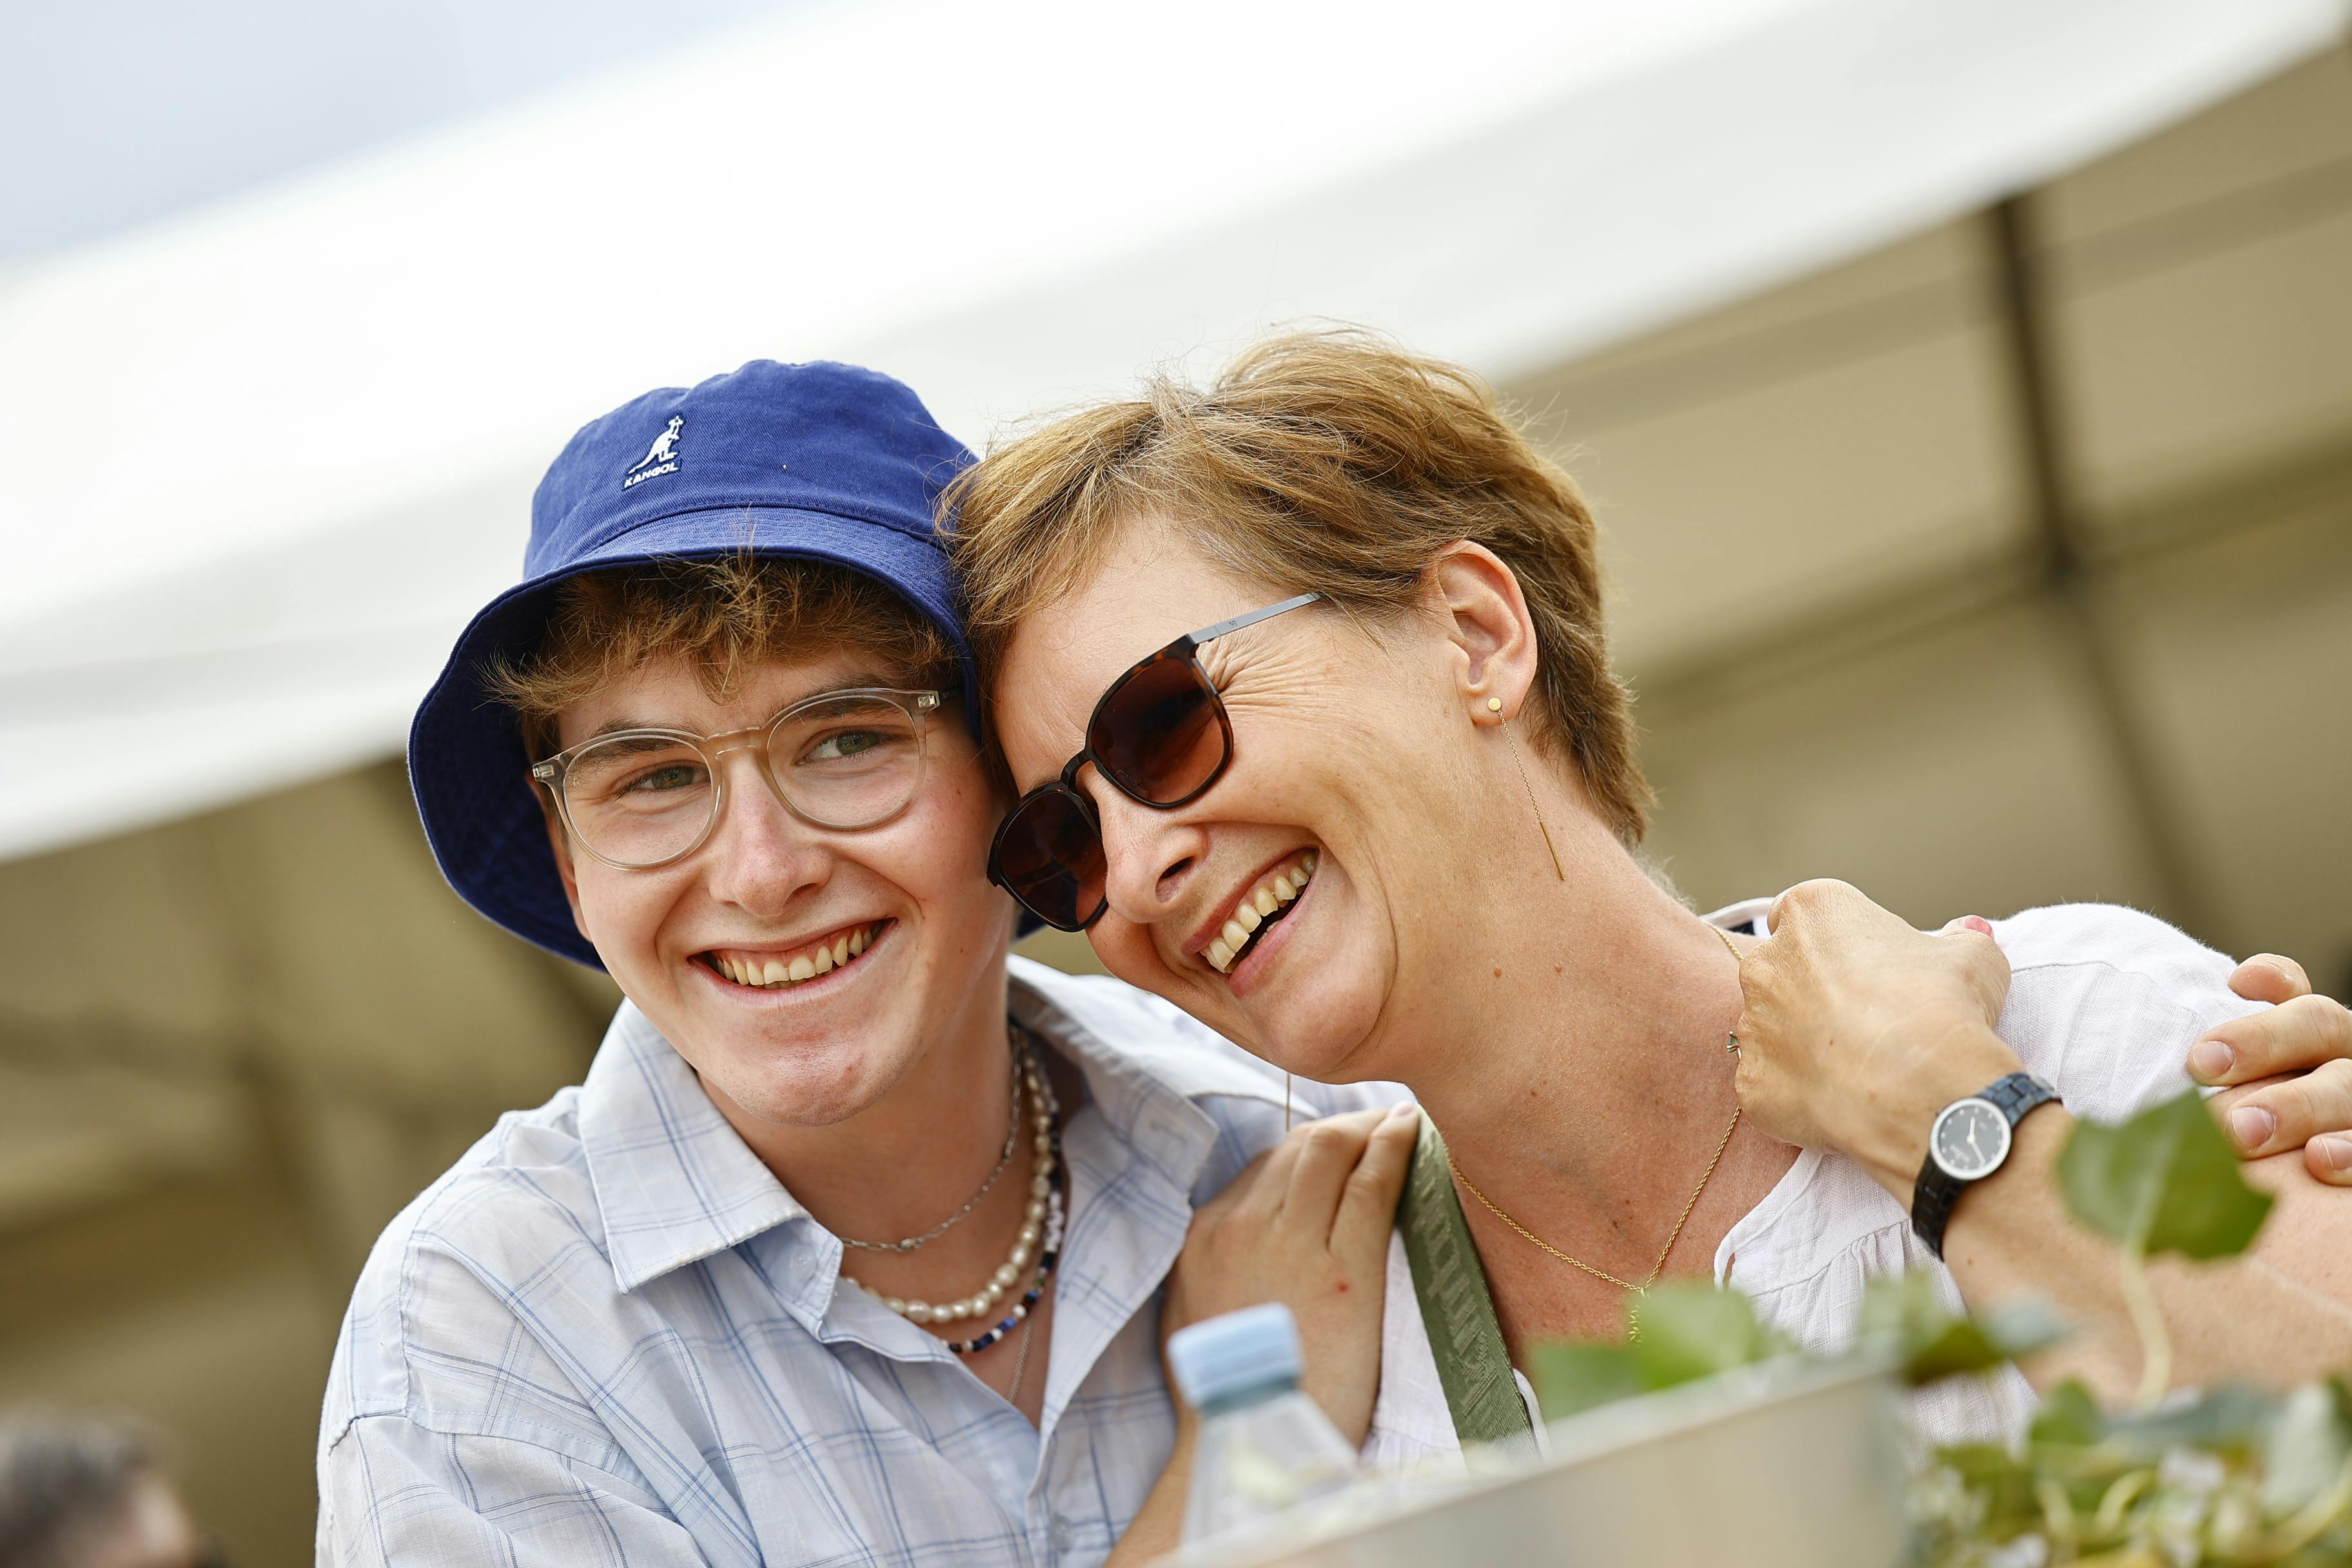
pixel 1969 1140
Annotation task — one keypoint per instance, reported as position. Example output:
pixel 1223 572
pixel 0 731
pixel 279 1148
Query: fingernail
pixel 1404 1108
pixel 2250 1126
pixel 1978 924
pixel 2210 1061
pixel 2334 1152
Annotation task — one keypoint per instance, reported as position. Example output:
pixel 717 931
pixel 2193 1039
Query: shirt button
pixel 1064 1534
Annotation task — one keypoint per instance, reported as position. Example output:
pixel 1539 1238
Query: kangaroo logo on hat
pixel 661 459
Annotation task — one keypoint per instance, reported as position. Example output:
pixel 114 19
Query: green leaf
pixel 1689 1330
pixel 2003 1487
pixel 2069 1417
pixel 2229 1420
pixel 2166 1181
pixel 1907 1313
pixel 1572 1377
pixel 2305 1449
pixel 1906 1309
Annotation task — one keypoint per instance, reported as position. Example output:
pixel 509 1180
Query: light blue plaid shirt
pixel 610 1335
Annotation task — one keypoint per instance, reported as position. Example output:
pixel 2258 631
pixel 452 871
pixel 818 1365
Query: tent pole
pixel 2076 576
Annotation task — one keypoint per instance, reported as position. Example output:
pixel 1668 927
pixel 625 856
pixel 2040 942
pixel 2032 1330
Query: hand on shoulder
pixel 1307 1224
pixel 2288 1069
pixel 1856 1028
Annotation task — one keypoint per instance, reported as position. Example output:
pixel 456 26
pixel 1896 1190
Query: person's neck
pixel 1576 1069
pixel 904 1162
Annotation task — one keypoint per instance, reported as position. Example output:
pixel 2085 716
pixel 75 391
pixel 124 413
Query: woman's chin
pixel 1328 1052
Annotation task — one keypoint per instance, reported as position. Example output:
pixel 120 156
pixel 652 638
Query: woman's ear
pixel 1485 618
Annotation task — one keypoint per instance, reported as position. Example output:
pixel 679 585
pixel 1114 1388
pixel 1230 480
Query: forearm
pixel 2280 1314
pixel 1159 1526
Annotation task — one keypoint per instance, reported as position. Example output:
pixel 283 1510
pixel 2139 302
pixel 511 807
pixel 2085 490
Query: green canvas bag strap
pixel 1464 1336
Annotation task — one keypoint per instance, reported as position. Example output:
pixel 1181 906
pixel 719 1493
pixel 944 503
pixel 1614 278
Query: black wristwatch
pixel 1968 1142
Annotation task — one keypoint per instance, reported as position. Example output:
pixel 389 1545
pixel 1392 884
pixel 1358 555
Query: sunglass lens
pixel 1050 855
pixel 1160 736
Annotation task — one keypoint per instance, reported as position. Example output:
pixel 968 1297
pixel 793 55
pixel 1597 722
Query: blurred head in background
pixel 82 1493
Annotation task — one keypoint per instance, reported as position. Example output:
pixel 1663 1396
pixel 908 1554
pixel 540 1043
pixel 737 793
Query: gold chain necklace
pixel 1633 1328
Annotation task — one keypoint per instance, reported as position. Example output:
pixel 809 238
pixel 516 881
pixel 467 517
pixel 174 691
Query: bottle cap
pixel 1221 1357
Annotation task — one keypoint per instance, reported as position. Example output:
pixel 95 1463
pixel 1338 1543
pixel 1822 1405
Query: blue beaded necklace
pixel 1046 1262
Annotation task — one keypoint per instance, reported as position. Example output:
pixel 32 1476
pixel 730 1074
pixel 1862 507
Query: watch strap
pixel 1937 1190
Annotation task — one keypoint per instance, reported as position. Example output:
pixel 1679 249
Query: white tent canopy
pixel 268 459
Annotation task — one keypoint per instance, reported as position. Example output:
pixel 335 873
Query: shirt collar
pixel 676 1183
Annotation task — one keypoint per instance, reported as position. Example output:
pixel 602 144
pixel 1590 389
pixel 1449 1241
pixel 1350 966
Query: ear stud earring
pixel 1495 706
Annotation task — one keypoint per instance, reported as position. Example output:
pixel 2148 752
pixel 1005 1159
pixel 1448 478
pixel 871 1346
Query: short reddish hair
pixel 1331 461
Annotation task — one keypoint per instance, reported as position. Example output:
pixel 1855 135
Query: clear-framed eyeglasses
pixel 640 798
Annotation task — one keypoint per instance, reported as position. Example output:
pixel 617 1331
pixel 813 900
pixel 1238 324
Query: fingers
pixel 2288 1114
pixel 1327 1153
pixel 1806 900
pixel 2268 977
pixel 1368 1204
pixel 1984 968
pixel 2330 1159
pixel 1249 1179
pixel 2301 1032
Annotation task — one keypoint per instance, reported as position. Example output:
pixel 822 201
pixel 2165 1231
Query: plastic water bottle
pixel 1264 1446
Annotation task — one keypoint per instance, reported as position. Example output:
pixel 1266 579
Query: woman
pixel 1371 811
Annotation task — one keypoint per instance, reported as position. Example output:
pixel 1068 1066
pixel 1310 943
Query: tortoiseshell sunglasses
pixel 1161 737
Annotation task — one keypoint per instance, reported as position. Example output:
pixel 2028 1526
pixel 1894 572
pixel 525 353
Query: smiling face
pixel 912 936
pixel 1354 764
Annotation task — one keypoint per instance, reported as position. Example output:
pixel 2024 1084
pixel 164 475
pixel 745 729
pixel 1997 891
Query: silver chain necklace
pixel 1011 1140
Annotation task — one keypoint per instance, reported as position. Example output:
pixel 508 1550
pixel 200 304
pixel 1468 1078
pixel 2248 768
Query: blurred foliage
pixel 2166 1181
pixel 2226 1476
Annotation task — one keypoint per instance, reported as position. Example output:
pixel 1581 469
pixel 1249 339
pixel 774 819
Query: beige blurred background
pixel 2008 564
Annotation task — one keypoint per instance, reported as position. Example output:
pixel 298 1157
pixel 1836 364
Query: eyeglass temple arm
pixel 1208 633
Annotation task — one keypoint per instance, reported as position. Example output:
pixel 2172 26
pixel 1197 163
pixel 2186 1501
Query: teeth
pixel 1257 907
pixel 792 971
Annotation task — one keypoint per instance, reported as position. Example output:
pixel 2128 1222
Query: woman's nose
pixel 760 856
pixel 1147 854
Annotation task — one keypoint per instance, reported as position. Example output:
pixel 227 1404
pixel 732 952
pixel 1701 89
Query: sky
pixel 118 112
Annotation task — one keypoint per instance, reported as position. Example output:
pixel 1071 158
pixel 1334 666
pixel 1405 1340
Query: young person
pixel 851 1246
pixel 1380 659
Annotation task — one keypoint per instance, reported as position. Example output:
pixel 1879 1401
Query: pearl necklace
pixel 1039 1237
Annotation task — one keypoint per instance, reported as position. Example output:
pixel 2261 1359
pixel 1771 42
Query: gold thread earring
pixel 1495 706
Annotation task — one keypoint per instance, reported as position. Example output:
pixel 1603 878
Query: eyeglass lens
pixel 1160 736
pixel 1051 855
pixel 640 800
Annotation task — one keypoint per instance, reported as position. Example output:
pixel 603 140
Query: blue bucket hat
pixel 820 461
